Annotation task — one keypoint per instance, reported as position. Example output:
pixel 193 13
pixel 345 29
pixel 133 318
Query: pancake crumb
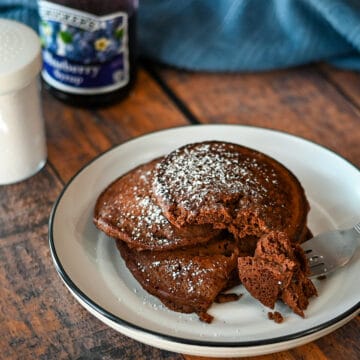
pixel 205 317
pixel 224 298
pixel 275 316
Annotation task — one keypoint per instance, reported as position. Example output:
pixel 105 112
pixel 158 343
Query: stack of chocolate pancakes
pixel 182 221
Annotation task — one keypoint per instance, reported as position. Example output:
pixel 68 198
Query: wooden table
pixel 39 319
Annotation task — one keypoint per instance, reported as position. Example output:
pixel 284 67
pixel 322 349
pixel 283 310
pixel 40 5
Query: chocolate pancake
pixel 126 210
pixel 278 271
pixel 185 280
pixel 231 187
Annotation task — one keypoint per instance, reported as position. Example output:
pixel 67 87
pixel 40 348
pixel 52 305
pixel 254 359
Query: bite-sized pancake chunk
pixel 277 271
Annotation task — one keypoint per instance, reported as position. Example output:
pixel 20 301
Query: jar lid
pixel 20 55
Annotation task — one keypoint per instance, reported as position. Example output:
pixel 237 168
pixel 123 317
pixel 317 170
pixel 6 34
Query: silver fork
pixel 328 251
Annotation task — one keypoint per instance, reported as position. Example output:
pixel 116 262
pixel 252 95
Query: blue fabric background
pixel 238 35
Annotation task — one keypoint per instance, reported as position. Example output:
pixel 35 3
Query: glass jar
pixel 89 49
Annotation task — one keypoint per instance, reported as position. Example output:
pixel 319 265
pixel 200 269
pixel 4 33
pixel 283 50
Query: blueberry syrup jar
pixel 88 49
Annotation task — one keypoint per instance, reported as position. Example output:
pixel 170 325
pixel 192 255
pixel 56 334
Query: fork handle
pixel 356 231
pixel 357 228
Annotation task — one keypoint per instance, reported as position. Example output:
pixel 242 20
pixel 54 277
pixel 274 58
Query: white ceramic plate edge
pixel 218 351
pixel 171 343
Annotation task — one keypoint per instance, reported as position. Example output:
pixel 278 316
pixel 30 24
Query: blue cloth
pixel 238 35
pixel 21 10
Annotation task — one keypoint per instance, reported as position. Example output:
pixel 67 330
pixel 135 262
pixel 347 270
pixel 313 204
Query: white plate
pixel 89 264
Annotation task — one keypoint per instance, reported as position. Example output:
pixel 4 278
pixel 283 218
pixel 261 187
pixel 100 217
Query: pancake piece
pixel 188 227
pixel 278 271
pixel 230 187
pixel 185 280
pixel 126 210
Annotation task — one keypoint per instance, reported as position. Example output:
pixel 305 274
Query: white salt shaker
pixel 22 133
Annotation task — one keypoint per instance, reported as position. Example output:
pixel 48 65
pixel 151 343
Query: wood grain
pixel 342 344
pixel 298 101
pixel 39 319
pixel 76 136
pixel 347 82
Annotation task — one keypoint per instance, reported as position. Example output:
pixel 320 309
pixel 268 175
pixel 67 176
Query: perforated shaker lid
pixel 20 55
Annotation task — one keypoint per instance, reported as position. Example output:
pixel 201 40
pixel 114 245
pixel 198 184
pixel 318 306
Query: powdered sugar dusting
pixel 149 219
pixel 145 216
pixel 201 174
pixel 129 210
pixel 185 273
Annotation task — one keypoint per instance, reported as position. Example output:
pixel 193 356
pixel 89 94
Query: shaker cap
pixel 20 55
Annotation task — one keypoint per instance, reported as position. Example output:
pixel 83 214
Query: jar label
pixel 83 53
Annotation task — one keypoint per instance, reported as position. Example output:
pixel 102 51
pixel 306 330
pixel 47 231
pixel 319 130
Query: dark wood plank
pixel 25 206
pixel 347 82
pixel 39 319
pixel 343 343
pixel 75 136
pixel 298 101
pixel 328 347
